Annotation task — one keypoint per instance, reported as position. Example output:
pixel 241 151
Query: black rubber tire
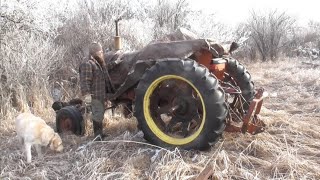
pixel 207 85
pixel 242 79
pixel 75 115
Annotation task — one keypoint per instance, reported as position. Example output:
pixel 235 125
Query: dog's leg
pixel 38 148
pixel 28 151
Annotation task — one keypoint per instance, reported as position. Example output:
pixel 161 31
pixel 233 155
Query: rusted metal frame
pixel 229 88
pixel 251 123
pixel 231 123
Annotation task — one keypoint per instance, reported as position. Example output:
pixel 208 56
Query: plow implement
pixel 247 121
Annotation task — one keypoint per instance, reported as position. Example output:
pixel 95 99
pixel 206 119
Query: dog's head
pixel 56 143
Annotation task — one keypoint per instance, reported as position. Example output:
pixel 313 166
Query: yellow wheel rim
pixel 152 125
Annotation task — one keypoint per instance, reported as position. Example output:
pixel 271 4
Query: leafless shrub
pixel 29 57
pixel 95 21
pixel 29 63
pixel 269 32
pixel 305 42
pixel 169 16
pixel 206 25
pixel 247 49
pixel 309 36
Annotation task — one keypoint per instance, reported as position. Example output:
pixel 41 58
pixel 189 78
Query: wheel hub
pixel 175 107
pixel 187 108
pixel 66 124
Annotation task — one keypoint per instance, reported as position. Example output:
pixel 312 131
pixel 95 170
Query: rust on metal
pixel 230 127
pixel 251 121
pixel 66 124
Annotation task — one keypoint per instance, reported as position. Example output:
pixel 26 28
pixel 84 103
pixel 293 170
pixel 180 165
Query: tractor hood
pixel 180 44
pixel 121 63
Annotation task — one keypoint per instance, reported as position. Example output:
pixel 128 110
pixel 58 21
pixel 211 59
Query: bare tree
pixel 269 31
pixel 314 34
pixel 206 25
pixel 28 55
pixel 169 15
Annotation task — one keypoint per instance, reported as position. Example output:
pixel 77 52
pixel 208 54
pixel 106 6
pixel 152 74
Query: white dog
pixel 33 130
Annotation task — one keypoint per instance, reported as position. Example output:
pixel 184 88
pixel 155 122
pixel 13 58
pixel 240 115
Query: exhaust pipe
pixel 117 39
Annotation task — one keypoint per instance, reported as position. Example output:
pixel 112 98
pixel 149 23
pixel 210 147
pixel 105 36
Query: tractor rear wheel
pixel 180 104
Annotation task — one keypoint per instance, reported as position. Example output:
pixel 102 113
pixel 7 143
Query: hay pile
pixel 289 149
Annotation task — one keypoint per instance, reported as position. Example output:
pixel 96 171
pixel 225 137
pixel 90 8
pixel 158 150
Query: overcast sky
pixel 235 11
pixel 232 12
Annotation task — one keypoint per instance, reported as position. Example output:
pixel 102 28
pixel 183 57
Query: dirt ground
pixel 288 149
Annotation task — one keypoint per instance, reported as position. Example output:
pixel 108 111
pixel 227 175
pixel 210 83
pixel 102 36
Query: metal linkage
pixel 251 122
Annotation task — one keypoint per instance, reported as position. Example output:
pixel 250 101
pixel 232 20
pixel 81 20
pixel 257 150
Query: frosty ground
pixel 288 149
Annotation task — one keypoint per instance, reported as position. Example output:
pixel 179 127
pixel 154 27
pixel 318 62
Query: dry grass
pixel 289 149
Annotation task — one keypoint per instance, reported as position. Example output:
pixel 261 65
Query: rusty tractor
pixel 183 91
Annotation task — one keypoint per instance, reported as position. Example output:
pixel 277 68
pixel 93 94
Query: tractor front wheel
pixel 238 75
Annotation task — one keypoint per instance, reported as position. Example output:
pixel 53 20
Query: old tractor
pixel 184 92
